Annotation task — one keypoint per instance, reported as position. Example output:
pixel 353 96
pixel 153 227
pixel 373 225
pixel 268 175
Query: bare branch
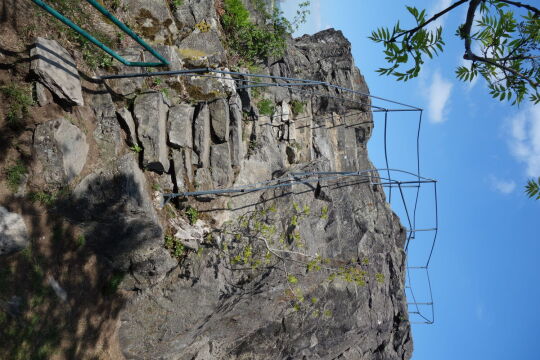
pixel 433 18
pixel 518 4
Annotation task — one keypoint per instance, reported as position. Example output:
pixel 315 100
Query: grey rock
pixel 127 86
pixel 210 89
pixel 203 179
pixel 180 125
pixel 150 112
pixel 56 70
pixel 202 45
pixel 13 232
pixel 201 135
pixel 126 119
pixel 61 150
pixel 107 132
pixel 152 19
pixel 220 161
pixel 236 143
pixel 114 208
pixel 179 169
pixel 219 115
pixel 43 95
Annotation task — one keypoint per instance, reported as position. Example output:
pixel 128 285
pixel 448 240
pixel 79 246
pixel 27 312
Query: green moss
pixel 111 286
pixel 19 99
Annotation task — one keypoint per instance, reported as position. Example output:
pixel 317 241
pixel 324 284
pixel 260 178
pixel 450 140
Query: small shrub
pixel 297 107
pixel 177 3
pixel 175 246
pixel 136 148
pixel 15 175
pixel 266 107
pixel 43 198
pixel 192 214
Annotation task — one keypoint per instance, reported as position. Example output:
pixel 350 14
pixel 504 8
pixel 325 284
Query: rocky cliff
pixel 311 271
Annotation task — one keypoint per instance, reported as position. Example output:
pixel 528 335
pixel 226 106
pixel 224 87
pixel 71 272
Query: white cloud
pixel 438 93
pixel 525 139
pixel 438 7
pixel 502 186
pixel 316 13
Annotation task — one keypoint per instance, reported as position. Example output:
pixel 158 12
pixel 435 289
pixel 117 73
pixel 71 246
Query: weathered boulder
pixel 61 151
pixel 180 125
pixel 114 208
pixel 13 233
pixel 56 70
pixel 127 86
pixel 201 135
pixel 150 110
pixel 153 19
pixel 219 115
pixel 203 44
pixel 107 132
pixel 220 162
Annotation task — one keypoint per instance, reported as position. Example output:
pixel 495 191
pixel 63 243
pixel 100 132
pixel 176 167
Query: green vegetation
pixel 19 99
pixel 192 214
pixel 297 107
pixel 111 286
pixel 15 175
pixel 501 41
pixel 80 241
pixel 176 3
pixel 136 148
pixel 42 197
pixel 532 188
pixel 258 42
pixel 266 107
pixel 175 246
pixel 379 278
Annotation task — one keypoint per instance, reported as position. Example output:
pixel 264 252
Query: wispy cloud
pixel 525 139
pixel 502 186
pixel 438 94
pixel 436 8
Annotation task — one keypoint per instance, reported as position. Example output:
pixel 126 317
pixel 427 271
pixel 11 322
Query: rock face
pixel 56 70
pixel 151 111
pixel 61 150
pixel 116 212
pixel 13 232
pixel 315 271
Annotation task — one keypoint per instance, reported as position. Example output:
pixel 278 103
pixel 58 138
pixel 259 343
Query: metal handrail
pixel 118 23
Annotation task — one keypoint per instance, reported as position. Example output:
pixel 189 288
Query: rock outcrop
pixel 13 233
pixel 56 70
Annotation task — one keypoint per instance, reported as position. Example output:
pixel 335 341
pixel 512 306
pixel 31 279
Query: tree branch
pixel 433 18
pixel 518 4
pixel 469 55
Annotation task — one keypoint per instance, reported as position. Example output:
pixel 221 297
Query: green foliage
pixel 192 214
pixel 502 46
pixel 258 42
pixel 175 246
pixel 111 286
pixel 532 188
pixel 15 175
pixel 177 3
pixel 324 212
pixel 42 197
pixel 136 148
pixel 80 241
pixel 379 278
pixel 297 107
pixel 292 279
pixel 19 99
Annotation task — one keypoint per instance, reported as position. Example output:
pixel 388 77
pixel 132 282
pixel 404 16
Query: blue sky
pixel 484 271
